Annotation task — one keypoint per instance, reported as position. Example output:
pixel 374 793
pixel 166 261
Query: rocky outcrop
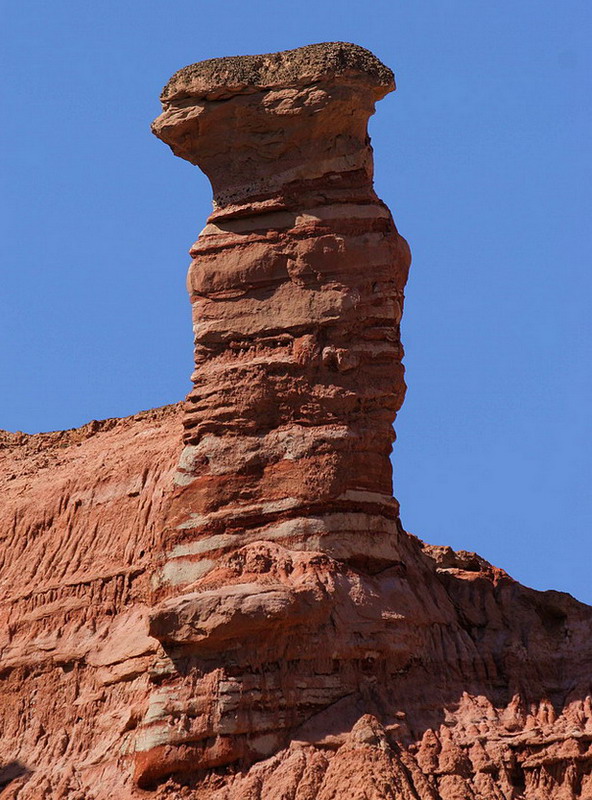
pixel 240 615
pixel 296 287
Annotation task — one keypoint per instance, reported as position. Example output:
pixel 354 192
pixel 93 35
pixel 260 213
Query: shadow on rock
pixel 11 771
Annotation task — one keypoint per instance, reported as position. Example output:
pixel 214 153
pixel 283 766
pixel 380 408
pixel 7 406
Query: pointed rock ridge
pixel 296 288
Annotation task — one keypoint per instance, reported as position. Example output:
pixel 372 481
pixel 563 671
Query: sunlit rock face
pixel 296 287
pixel 218 601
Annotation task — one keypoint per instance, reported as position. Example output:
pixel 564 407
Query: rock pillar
pixel 296 288
pixel 284 499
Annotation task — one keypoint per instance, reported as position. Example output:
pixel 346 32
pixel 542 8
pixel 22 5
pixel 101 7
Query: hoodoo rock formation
pixel 296 288
pixel 218 601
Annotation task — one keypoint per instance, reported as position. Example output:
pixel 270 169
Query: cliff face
pixel 218 601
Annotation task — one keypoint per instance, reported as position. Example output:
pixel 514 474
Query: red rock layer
pixel 261 628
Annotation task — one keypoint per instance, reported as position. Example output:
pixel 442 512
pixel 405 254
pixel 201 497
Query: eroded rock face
pixel 296 288
pixel 81 516
pixel 240 615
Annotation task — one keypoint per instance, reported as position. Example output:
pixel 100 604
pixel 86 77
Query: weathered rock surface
pixel 240 615
pixel 81 515
pixel 296 288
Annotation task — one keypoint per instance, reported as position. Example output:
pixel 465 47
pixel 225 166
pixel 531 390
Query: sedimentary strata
pixel 231 610
pixel 296 287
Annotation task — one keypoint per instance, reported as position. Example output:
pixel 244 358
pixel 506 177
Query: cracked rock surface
pixel 217 600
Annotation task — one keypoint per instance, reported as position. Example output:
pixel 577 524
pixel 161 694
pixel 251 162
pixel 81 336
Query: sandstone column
pixel 296 287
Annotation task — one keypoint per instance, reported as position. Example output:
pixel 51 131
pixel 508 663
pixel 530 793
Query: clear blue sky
pixel 483 155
